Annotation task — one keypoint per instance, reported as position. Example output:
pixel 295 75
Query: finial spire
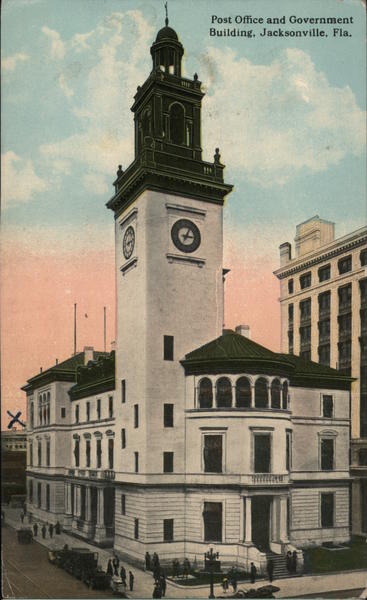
pixel 166 7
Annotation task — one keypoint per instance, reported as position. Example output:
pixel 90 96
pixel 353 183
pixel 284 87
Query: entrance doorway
pixel 260 515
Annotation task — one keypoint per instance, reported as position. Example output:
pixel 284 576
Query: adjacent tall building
pixel 187 436
pixel 323 296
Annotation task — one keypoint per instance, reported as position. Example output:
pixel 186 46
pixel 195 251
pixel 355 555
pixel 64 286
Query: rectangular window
pixel 213 453
pixel 324 303
pixel 136 529
pixel 110 406
pixel 288 456
pixel 363 258
pixel 123 504
pixel 327 406
pixel 123 438
pixel 290 314
pixel 305 280
pixel 262 452
pixel 345 265
pixel 345 297
pixel 48 452
pixel 99 453
pixel 110 453
pixel 63 412
pixel 168 415
pixel 76 452
pixel 327 454
pixel 168 347
pixel 39 453
pixel 77 413
pixel 168 530
pixel 212 521
pixel 123 391
pixel 324 273
pixel 327 510
pixel 98 408
pixel 88 411
pixel 47 497
pixel 39 494
pixel 87 453
pixel 167 462
pixel 136 455
pixel 31 454
pixel 305 309
pixel 290 286
pixel 136 416
pixel 324 355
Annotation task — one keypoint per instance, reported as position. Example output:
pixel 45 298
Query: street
pixel 28 574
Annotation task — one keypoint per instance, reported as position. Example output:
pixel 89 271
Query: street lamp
pixel 210 559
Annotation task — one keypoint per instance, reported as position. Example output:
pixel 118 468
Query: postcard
pixel 184 295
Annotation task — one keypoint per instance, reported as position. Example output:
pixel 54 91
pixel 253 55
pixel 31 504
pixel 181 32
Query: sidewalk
pixel 143 586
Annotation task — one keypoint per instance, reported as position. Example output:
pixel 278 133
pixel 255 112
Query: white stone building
pixel 189 436
pixel 323 297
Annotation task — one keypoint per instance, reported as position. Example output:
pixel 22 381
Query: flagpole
pixel 74 329
pixel 104 327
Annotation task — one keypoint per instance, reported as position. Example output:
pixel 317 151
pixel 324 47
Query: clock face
pixel 128 242
pixel 186 235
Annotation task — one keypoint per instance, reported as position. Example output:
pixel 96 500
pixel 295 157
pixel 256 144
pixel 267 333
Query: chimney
pixel 244 330
pixel 40 369
pixel 285 253
pixel 88 354
pixel 57 361
pixel 113 346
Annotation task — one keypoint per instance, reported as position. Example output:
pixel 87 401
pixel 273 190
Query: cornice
pixel 287 270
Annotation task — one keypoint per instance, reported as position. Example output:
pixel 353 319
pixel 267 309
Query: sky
pixel 286 112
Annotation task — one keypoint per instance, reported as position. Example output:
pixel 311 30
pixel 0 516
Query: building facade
pixel 188 436
pixel 323 297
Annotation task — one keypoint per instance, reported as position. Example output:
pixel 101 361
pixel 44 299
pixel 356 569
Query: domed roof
pixel 166 33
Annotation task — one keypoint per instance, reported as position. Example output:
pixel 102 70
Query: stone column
pixel 252 396
pixel 275 510
pixel 248 521
pixel 67 512
pixel 100 532
pixel 283 534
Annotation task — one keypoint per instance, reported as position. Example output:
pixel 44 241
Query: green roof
pixel 63 371
pixel 235 353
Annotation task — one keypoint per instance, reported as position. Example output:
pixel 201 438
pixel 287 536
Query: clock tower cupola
pixel 167 118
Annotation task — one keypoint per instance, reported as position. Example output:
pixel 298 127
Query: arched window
pixel 275 393
pixel 261 393
pixel 243 393
pixel 205 393
pixel 285 396
pixel 177 124
pixel 224 393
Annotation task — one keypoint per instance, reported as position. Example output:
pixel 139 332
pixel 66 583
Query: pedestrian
pixel 131 581
pixel 294 562
pixel 234 581
pixel 109 567
pixel 57 528
pixel 148 562
pixel 163 584
pixel 289 561
pixel 225 584
pixel 51 530
pixel 176 567
pixel 270 568
pixel 116 564
pixel 157 592
pixel 22 515
pixel 123 575
pixel 186 568
pixel 44 531
pixel 35 529
pixel 253 572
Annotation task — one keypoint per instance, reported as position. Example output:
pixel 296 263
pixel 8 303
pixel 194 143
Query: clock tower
pixel 169 281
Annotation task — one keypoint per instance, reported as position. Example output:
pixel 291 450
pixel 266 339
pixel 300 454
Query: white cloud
pixel 271 121
pixel 105 135
pixel 57 45
pixel 10 63
pixel 80 41
pixel 95 183
pixel 19 180
pixel 64 86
